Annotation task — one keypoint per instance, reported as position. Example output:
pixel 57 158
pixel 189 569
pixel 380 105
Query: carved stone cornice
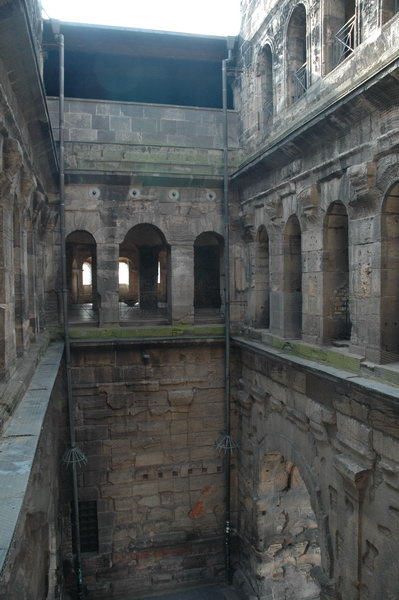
pixel 362 179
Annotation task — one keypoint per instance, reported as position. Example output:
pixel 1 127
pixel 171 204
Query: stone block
pixel 149 459
pixel 180 397
pixel 355 435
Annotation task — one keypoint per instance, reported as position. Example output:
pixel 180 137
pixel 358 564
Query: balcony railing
pixel 268 109
pixel 300 82
pixel 345 40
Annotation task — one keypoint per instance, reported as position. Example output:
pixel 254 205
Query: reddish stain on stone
pixel 199 506
pixel 197 510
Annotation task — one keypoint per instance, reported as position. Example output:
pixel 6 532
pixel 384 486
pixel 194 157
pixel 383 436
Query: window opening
pixel 292 284
pixel 86 273
pixel 389 8
pixel 337 322
pixel 88 525
pixel 123 273
pixel 208 253
pixel 345 37
pixel 297 71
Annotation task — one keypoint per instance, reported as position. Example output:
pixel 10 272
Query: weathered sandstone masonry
pixel 340 432
pixel 148 416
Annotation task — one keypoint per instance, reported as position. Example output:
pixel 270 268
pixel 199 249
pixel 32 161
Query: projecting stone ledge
pixel 19 443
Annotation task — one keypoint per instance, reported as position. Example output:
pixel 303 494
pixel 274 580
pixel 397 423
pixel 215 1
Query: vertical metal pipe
pixel 71 415
pixel 226 218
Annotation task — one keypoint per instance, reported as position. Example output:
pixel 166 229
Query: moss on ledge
pixel 158 331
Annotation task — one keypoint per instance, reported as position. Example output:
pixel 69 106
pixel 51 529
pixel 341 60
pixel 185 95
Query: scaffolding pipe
pixel 226 218
pixel 73 451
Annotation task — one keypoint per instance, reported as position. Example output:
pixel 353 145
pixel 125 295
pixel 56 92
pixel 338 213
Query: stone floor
pixel 205 593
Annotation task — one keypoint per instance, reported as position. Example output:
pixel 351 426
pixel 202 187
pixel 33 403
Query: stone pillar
pixel 107 283
pixel 364 261
pixel 7 329
pixel 148 278
pixel 182 283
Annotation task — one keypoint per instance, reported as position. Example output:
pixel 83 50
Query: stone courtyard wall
pixel 148 417
pixel 342 436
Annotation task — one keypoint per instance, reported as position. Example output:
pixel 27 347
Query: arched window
pixel 86 273
pixel 262 280
pixel 389 8
pixel 143 275
pixel 297 69
pixel 340 32
pixel 81 254
pixel 390 276
pixel 265 87
pixel 292 278
pixel 123 273
pixel 208 255
pixel 337 322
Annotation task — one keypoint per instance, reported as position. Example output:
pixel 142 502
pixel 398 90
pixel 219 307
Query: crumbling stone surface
pixel 316 483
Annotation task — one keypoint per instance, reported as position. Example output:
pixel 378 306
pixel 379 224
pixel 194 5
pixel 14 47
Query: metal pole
pixel 226 217
pixel 72 436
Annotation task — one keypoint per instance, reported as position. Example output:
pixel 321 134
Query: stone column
pixel 148 278
pixel 107 283
pixel 182 283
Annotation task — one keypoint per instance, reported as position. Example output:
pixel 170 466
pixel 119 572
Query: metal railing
pixel 301 83
pixel 268 109
pixel 345 40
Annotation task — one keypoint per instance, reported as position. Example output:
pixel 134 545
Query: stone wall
pixel 32 490
pixel 266 25
pixel 142 138
pixel 334 177
pixel 147 418
pixel 343 439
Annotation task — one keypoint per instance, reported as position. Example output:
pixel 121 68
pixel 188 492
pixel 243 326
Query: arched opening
pixel 339 31
pixel 262 280
pixel 81 255
pixel 337 322
pixel 390 276
pixel 265 87
pixel 143 275
pixel 292 278
pixel 208 257
pixel 287 536
pixel 389 8
pixel 297 70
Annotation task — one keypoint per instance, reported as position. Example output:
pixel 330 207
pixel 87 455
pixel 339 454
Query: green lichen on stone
pixel 343 361
pixel 325 356
pixel 159 331
pixel 387 375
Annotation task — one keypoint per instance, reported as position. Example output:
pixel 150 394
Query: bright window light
pixel 86 275
pixel 123 273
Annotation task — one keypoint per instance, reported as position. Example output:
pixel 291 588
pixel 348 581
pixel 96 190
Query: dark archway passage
pixel 292 278
pixel 143 294
pixel 262 280
pixel 337 322
pixel 208 256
